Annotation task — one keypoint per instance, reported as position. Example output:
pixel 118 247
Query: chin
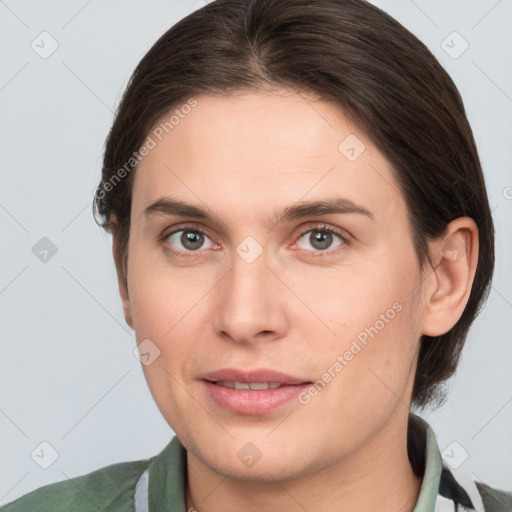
pixel 263 471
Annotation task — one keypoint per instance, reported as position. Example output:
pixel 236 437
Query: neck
pixel 378 476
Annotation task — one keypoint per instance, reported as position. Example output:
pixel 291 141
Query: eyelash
pixel 323 228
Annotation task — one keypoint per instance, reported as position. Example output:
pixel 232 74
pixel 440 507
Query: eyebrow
pixel 338 205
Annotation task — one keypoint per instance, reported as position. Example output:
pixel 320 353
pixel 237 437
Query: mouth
pixel 252 392
pixel 251 386
pixel 256 379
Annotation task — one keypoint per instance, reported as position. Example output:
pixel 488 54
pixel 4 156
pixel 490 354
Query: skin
pixel 293 309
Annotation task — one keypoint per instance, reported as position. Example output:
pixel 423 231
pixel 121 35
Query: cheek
pixel 381 373
pixel 165 307
pixel 367 325
pixel 163 296
pixel 356 296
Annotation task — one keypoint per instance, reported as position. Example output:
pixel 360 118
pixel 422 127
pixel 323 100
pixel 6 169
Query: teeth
pixel 253 386
pixel 258 386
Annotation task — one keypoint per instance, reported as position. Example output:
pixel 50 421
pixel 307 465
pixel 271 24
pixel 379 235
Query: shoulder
pixel 109 488
pixel 494 500
pixel 467 494
pixel 457 490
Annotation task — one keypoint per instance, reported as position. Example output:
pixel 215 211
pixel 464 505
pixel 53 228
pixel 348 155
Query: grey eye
pixel 320 239
pixel 188 239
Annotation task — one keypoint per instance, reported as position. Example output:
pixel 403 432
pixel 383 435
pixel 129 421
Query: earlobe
pixel 123 292
pixel 128 316
pixel 455 258
pixel 125 300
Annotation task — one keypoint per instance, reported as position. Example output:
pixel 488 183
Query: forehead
pixel 252 152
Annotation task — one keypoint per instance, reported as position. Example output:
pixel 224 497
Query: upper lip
pixel 259 375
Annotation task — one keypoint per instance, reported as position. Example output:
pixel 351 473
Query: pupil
pixel 323 239
pixel 191 240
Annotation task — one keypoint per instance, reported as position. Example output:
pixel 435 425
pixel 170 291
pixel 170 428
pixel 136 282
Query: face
pixel 301 263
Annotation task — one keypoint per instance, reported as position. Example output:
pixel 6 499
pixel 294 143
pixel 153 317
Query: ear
pixel 123 292
pixel 448 286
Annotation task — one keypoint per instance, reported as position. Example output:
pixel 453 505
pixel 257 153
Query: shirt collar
pixel 167 478
pixel 168 471
pixel 433 465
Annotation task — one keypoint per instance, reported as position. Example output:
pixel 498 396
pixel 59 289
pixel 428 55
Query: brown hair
pixel 347 51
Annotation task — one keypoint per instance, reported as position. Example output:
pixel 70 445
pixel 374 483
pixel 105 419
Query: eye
pixel 185 240
pixel 321 239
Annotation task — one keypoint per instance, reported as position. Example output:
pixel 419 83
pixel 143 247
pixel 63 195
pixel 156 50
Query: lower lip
pixel 252 402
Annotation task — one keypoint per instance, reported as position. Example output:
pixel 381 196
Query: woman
pixel 302 238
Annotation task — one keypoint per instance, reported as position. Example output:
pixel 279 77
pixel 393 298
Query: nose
pixel 251 302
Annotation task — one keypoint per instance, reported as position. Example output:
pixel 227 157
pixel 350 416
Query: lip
pixel 252 402
pixel 258 375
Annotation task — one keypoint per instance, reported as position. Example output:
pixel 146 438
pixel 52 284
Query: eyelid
pixel 319 225
pixel 182 227
pixel 345 236
pixel 191 226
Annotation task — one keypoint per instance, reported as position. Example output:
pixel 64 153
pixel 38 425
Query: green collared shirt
pixel 158 484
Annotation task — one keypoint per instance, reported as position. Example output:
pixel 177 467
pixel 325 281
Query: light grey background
pixel 67 371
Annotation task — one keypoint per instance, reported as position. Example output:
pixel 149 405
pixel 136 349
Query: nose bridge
pixel 250 269
pixel 250 301
pixel 247 291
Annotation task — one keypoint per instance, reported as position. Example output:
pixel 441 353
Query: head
pixel 248 110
